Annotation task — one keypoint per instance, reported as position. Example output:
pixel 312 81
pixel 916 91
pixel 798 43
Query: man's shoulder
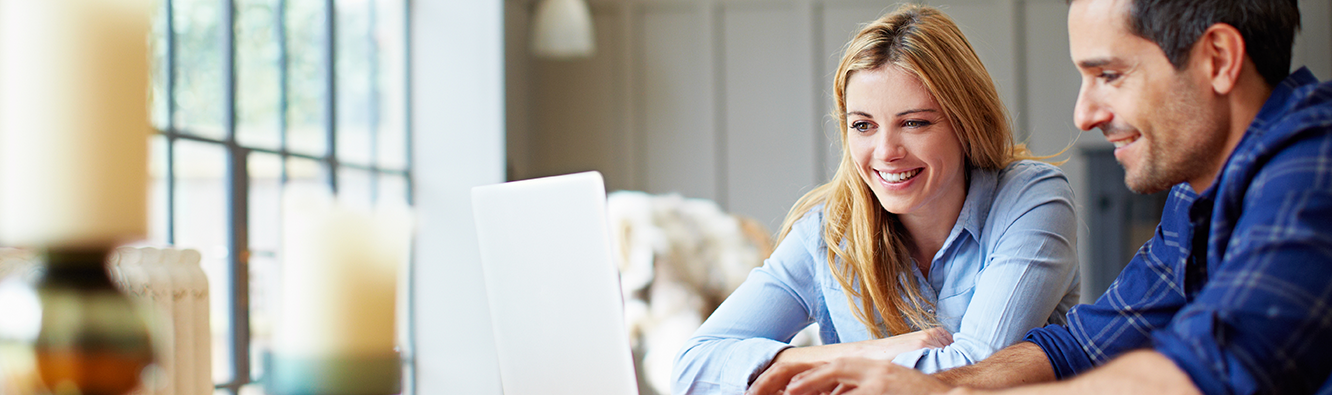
pixel 1300 139
pixel 1307 116
pixel 1292 141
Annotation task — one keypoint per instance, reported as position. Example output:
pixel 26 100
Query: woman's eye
pixel 860 126
pixel 916 123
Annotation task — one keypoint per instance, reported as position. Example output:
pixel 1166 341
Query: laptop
pixel 555 301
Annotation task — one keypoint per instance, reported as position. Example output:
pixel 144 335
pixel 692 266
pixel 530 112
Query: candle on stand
pixel 336 328
pixel 74 127
pixel 74 123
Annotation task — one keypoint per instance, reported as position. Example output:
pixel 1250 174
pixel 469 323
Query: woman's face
pixel 902 143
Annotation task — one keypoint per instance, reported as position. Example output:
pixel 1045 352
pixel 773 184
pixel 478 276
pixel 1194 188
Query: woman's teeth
pixel 1124 142
pixel 899 177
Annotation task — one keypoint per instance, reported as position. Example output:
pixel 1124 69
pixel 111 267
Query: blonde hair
pixel 874 260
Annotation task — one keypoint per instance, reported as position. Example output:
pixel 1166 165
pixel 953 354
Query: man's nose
pixel 1089 112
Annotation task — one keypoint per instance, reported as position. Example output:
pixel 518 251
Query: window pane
pixel 201 224
pixel 354 187
pixel 303 172
pixel 305 77
pixel 392 46
pixel 265 201
pixel 160 68
pixel 392 190
pixel 354 75
pixel 257 74
pixel 199 95
pixel 157 194
pixel 252 389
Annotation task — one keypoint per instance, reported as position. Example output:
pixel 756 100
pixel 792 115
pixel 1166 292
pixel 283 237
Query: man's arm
pixel 1020 364
pixel 1138 372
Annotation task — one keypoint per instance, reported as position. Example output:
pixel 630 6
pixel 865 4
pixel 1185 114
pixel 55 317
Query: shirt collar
pixel 1277 105
pixel 975 209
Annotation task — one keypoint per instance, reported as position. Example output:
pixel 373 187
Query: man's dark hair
pixel 1267 26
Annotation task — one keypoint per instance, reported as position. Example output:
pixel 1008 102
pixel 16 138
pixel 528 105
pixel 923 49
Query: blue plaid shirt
pixel 1253 314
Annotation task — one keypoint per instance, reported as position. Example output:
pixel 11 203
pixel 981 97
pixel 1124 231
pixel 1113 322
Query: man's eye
pixel 1109 77
pixel 860 126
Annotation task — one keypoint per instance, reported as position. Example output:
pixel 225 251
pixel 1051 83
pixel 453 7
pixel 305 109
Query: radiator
pixel 172 288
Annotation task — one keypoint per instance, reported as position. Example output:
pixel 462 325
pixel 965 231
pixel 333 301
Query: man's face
pixel 1164 123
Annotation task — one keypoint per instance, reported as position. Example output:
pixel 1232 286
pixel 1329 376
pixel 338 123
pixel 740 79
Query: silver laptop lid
pixel 553 288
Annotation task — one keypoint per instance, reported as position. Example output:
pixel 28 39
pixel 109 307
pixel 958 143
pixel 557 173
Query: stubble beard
pixel 1197 138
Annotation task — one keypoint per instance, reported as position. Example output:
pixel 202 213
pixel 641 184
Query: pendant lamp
pixel 562 29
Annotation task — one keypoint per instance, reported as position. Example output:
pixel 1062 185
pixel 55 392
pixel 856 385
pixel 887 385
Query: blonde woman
pixel 935 244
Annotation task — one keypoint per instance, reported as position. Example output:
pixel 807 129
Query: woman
pixel 934 245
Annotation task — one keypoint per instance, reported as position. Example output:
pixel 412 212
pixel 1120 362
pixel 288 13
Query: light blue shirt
pixel 1008 265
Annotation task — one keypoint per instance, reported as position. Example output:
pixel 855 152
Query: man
pixel 1234 294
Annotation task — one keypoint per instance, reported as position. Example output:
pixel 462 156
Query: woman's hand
pixel 888 348
pixel 794 361
pixel 883 349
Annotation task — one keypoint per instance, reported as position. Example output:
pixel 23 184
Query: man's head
pixel 1268 28
pixel 1170 82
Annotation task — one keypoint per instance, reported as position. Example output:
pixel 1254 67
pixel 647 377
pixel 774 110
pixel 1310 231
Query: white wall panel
pixel 838 24
pixel 458 129
pixel 1313 45
pixel 989 26
pixel 769 128
pixel 1053 81
pixel 678 128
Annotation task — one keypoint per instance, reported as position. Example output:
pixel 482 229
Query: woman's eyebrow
pixel 916 110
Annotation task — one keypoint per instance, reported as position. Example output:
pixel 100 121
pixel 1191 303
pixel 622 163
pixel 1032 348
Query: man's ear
pixel 1220 51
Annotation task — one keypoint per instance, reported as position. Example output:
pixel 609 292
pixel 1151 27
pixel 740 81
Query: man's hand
pixel 852 376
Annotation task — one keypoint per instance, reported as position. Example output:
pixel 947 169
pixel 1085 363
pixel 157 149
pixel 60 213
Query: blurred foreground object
pixel 679 259
pixel 74 170
pixel 72 329
pixel 337 325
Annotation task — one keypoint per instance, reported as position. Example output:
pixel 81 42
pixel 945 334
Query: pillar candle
pixel 74 123
pixel 339 280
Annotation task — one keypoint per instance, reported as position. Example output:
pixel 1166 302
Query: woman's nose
pixel 888 147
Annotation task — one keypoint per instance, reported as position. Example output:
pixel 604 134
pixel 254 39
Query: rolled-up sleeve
pixel 1030 268
pixel 756 321
pixel 1062 349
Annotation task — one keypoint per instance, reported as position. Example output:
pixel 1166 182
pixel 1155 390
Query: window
pixel 252 97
